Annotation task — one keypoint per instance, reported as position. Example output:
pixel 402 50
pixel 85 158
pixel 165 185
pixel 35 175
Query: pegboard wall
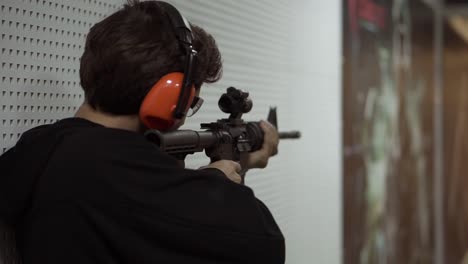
pixel 41 43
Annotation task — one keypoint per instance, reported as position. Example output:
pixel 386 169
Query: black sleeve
pixel 19 168
pixel 202 197
pixel 8 203
pixel 246 202
pixel 215 215
pixel 198 213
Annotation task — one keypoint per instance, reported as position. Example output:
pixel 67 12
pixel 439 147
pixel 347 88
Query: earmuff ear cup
pixel 157 109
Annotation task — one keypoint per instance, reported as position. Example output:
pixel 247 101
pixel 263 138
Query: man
pixel 92 189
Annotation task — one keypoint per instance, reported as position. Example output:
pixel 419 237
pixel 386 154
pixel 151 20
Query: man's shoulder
pixel 86 142
pixel 75 145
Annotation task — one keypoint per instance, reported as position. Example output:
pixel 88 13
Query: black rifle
pixel 226 139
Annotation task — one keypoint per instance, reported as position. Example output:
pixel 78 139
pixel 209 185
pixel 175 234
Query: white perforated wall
pixel 40 46
pixel 264 44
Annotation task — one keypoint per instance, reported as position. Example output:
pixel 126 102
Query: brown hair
pixel 129 51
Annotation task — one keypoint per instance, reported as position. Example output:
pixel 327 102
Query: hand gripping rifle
pixel 229 139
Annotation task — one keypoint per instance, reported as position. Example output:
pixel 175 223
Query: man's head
pixel 129 51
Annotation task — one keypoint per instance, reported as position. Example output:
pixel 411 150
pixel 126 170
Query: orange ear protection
pixel 158 108
pixel 171 97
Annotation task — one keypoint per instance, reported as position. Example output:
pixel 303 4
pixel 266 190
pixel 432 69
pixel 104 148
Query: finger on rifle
pixel 259 159
pixel 236 178
pixel 237 166
pixel 271 138
pixel 268 124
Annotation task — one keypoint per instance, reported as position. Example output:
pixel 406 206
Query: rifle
pixel 229 139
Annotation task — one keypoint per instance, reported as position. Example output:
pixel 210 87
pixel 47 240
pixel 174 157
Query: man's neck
pixel 125 122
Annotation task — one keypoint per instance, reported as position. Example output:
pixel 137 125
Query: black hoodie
pixel 78 192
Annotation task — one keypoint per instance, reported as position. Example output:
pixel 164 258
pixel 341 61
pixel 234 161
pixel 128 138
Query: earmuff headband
pixel 181 108
pixel 183 33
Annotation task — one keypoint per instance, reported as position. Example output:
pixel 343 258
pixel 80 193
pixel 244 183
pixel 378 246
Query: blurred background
pixel 404 124
pixel 378 89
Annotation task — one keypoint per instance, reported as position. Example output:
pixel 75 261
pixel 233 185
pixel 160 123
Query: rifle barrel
pixel 289 134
